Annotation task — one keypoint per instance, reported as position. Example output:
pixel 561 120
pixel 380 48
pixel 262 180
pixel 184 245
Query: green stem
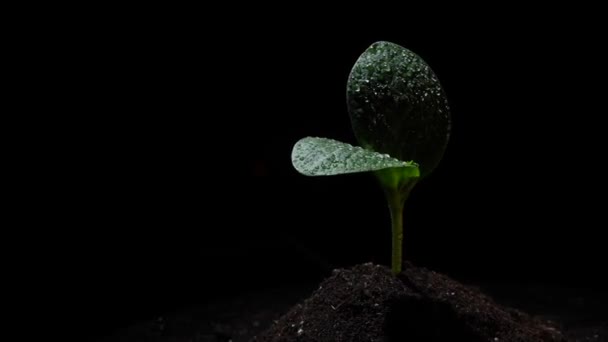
pixel 397 184
pixel 395 204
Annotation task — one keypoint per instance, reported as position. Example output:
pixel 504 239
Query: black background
pixel 177 186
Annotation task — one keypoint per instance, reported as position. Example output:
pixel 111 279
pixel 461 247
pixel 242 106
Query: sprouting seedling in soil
pixel 400 116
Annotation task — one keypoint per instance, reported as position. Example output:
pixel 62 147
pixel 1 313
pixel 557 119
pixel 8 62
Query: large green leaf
pixel 325 157
pixel 397 105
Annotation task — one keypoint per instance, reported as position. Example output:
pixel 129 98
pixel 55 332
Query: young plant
pixel 400 116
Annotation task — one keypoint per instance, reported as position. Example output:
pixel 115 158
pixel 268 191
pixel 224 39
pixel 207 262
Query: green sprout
pixel 400 116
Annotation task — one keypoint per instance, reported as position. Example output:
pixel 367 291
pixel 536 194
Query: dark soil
pixel 367 303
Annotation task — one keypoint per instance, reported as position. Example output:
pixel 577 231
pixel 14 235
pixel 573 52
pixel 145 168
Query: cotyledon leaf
pixel 313 156
pixel 397 105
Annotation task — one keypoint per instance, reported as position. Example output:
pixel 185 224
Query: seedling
pixel 400 116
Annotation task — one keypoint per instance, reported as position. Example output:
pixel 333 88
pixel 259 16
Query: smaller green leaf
pixel 326 157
